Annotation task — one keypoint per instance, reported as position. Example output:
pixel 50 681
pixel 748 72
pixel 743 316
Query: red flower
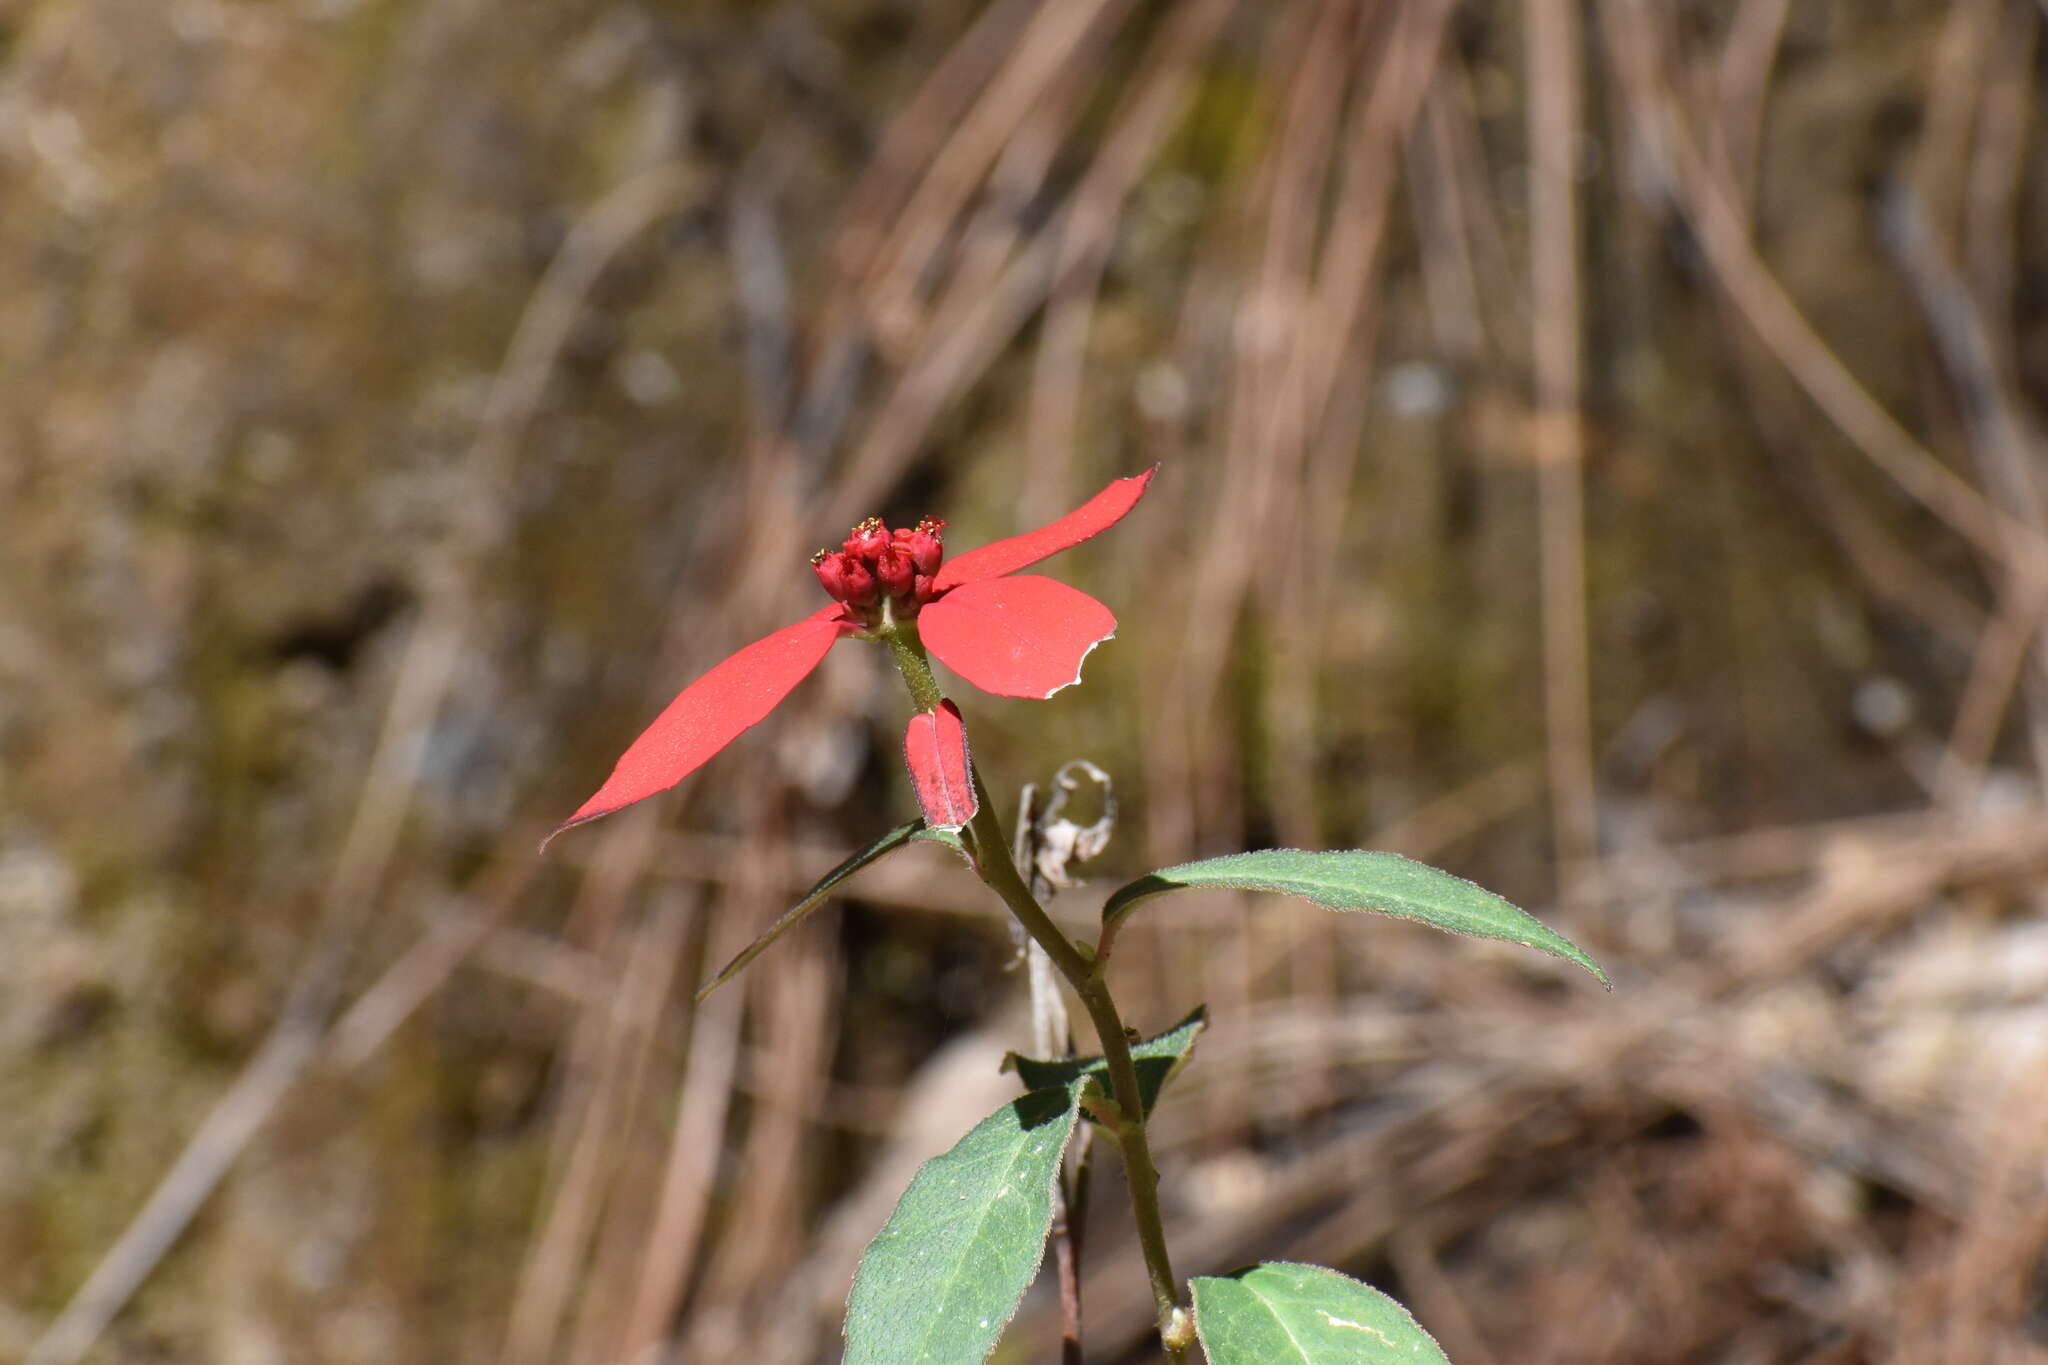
pixel 1016 635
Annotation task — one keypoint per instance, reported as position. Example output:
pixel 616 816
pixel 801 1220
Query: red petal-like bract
pixel 935 748
pixel 1016 637
pixel 1092 517
pixel 712 712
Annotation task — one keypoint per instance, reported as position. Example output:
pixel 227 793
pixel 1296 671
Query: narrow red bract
pixel 712 712
pixel 935 751
pixel 1015 637
pixel 1091 518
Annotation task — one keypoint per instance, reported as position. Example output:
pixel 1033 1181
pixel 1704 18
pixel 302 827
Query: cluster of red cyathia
pixel 877 565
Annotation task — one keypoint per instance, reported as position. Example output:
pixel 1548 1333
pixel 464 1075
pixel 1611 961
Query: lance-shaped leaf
pixel 1157 1060
pixel 820 893
pixel 1286 1313
pixel 946 1273
pixel 1351 879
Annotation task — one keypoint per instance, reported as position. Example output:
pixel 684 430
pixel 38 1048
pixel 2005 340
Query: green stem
pixel 992 863
pixel 901 637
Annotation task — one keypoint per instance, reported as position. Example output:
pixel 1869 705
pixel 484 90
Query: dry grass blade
pixel 1148 112
pixel 796 1021
pixel 610 1054
pixel 1998 172
pixel 1763 301
pixel 2004 441
pixel 1742 78
pixel 624 1236
pixel 675 1237
pixel 1038 59
pixel 1559 438
pixel 913 137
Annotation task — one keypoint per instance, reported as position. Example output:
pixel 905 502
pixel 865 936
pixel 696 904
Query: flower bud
pixel 830 566
pixel 893 568
pixel 860 586
pixel 868 540
pixel 921 589
pixel 926 551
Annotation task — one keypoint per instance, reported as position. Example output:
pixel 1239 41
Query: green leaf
pixel 1156 1060
pixel 1286 1313
pixel 945 1274
pixel 1353 879
pixel 819 894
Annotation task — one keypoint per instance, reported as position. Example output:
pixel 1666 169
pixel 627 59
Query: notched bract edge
pixel 1078 667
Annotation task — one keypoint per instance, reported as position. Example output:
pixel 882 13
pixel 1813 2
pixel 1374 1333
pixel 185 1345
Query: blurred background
pixel 1599 454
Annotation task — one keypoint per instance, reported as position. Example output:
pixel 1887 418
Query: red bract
pixel 1022 636
pixel 935 750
